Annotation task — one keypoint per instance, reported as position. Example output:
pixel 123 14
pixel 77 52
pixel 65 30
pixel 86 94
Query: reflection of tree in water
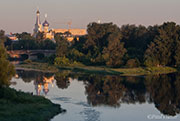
pixel 162 90
pixel 104 90
pixel 62 79
pixel 113 90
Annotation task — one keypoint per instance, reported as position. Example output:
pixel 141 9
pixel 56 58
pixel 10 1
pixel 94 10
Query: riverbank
pixel 37 66
pixel 98 70
pixel 20 106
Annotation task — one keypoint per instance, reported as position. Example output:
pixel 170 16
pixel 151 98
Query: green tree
pixel 161 51
pixel 136 39
pixel 100 40
pixel 177 54
pixel 61 61
pixel 62 45
pixel 6 68
pixel 47 45
pixel 113 54
pixel 40 37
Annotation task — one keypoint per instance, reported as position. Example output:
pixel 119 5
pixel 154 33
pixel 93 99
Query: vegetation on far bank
pixel 128 49
pixel 108 45
pixel 96 69
pixel 127 46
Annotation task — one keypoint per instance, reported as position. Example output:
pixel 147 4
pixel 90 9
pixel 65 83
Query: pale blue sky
pixel 19 15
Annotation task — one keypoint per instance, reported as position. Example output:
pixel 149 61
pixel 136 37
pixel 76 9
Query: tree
pixel 113 54
pixel 161 52
pixel 62 45
pixel 67 33
pixel 40 37
pixel 136 39
pixel 6 68
pixel 2 36
pixel 26 44
pixel 47 44
pixel 177 54
pixel 100 40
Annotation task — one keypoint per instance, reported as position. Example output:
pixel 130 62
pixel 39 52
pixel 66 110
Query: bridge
pixel 30 54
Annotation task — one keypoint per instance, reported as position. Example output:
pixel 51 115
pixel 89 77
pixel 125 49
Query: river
pixel 91 97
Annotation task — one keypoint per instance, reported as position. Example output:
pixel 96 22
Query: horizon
pixel 21 15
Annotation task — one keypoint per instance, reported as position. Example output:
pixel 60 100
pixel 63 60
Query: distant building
pixel 49 33
pixel 12 37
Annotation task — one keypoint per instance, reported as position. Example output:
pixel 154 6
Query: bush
pixel 132 63
pixel 62 61
pixel 28 61
pixel 151 62
pixel 51 59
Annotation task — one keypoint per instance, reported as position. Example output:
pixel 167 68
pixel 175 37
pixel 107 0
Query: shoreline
pixel 140 71
pixel 17 105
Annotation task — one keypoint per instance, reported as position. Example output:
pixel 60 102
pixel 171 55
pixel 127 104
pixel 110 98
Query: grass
pixel 145 71
pixel 37 66
pixel 20 106
pixel 122 71
pixel 99 70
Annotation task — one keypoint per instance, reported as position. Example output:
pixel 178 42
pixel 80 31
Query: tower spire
pixel 45 16
pixel 38 26
pixel 38 17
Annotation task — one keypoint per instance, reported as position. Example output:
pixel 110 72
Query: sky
pixel 20 15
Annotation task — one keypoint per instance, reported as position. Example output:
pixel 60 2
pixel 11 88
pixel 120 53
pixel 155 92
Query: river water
pixel 91 97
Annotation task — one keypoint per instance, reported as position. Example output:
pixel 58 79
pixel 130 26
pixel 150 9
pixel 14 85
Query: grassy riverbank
pixel 20 106
pixel 98 70
pixel 37 66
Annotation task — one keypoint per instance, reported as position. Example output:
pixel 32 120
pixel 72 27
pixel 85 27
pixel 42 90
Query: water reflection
pixel 161 90
pixel 41 80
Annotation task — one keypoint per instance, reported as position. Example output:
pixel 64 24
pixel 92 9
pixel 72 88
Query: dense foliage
pixel 109 45
pixel 28 42
pixel 128 46
pixel 6 68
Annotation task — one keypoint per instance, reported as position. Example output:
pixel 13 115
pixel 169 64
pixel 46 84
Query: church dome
pixel 45 23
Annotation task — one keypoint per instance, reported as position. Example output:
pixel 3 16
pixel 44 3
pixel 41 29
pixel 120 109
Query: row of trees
pixel 27 42
pixel 131 46
pixel 109 45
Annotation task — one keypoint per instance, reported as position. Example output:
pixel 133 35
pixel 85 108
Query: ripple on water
pixel 84 104
pixel 90 114
pixel 64 99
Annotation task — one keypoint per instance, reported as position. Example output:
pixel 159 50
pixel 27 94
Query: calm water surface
pixel 106 98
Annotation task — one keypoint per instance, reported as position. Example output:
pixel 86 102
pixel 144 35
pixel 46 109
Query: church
pixel 49 33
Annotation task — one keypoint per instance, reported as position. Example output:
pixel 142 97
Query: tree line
pixel 112 46
pixel 126 46
pixel 28 42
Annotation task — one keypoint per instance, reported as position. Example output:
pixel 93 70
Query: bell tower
pixel 38 26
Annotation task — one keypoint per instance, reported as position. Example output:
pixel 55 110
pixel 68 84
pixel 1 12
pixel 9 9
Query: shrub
pixel 28 61
pixel 132 63
pixel 62 61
